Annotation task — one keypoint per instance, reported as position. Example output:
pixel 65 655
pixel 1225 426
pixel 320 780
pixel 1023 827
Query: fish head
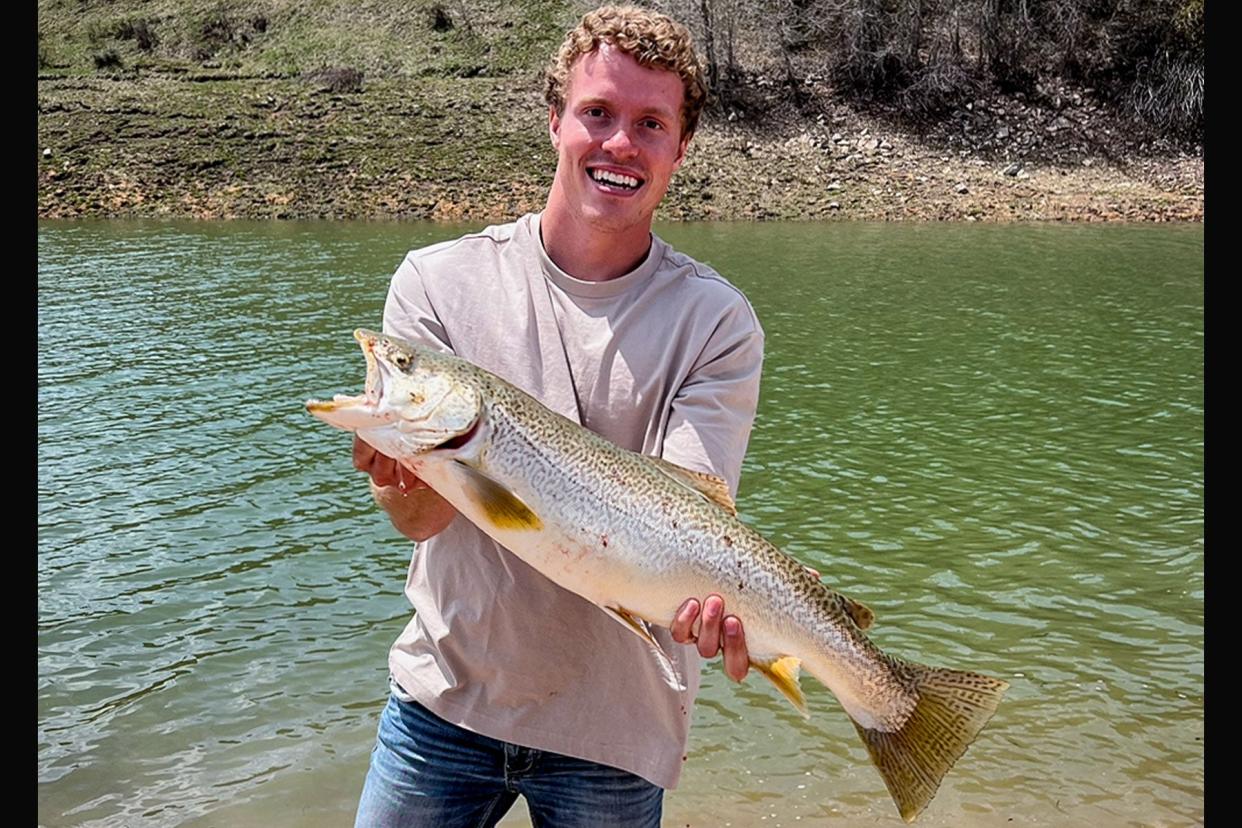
pixel 412 403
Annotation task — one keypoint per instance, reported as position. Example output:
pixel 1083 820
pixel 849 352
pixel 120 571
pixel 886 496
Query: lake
pixel 991 435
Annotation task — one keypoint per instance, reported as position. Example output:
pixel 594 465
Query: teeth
pixel 614 178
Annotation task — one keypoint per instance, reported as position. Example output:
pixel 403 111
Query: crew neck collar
pixel 598 290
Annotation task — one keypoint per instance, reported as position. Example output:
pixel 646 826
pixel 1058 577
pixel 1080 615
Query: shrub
pixel 337 79
pixel 107 59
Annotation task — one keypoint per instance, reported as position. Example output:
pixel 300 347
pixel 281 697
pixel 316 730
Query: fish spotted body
pixel 637 535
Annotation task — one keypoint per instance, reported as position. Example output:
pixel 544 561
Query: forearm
pixel 418 513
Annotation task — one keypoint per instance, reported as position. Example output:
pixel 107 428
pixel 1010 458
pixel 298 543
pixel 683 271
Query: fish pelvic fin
pixel 502 507
pixel 783 672
pixel 953 706
pixel 639 627
pixel 710 486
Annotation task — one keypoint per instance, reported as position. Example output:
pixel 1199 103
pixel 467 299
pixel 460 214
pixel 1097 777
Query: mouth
pixel 351 412
pixel 614 180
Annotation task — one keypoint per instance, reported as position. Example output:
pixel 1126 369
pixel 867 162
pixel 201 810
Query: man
pixel 504 683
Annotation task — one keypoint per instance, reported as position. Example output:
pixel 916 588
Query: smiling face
pixel 618 140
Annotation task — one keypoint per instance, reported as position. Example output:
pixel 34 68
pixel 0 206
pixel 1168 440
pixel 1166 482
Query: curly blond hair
pixel 655 40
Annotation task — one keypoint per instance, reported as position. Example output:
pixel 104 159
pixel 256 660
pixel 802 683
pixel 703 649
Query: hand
pixel 384 470
pixel 416 511
pixel 715 627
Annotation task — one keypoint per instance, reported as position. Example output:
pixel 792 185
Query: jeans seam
pixel 491 810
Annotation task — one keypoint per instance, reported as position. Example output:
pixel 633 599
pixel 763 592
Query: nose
pixel 619 144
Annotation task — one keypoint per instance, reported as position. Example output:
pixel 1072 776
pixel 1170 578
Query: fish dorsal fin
pixel 502 507
pixel 783 672
pixel 639 627
pixel 711 486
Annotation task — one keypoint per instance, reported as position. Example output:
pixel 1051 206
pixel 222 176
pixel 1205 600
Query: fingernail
pixel 731 627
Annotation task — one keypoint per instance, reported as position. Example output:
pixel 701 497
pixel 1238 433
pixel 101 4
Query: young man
pixel 504 683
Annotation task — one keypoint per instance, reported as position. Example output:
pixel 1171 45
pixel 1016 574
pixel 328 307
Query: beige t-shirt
pixel 664 360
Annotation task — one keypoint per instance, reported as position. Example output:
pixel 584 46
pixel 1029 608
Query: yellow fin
pixel 714 488
pixel 783 672
pixel 639 627
pixel 502 507
pixel 952 708
pixel 636 624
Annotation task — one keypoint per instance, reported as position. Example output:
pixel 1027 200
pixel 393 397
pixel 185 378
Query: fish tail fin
pixel 953 706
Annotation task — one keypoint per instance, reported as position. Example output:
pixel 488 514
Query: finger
pixel 364 454
pixel 709 627
pixel 683 622
pixel 736 659
pixel 385 471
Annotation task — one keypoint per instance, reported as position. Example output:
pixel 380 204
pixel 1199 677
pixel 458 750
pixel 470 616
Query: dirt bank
pixel 476 149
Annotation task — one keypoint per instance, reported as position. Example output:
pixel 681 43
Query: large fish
pixel 637 535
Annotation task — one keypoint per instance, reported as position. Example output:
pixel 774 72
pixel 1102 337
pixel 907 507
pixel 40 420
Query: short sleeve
pixel 714 409
pixel 408 310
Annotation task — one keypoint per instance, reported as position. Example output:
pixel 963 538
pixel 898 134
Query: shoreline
pixel 476 150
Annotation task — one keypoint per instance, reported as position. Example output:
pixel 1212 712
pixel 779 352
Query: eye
pixel 651 123
pixel 594 112
pixel 402 360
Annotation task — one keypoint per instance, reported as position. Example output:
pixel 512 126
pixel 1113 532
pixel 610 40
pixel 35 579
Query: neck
pixel 587 253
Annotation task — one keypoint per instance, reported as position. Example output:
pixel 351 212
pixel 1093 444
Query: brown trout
pixel 637 535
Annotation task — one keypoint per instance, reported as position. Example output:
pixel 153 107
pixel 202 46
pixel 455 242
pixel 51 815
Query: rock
pixel 834 205
pixel 1003 132
pixel 962 189
pixel 47 152
pixel 836 185
pixel 1013 169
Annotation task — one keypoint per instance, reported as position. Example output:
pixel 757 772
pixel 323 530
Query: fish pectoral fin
pixel 639 627
pixel 783 672
pixel 712 487
pixel 501 506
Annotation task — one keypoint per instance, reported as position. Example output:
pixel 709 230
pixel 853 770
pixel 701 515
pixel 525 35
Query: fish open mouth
pixel 349 410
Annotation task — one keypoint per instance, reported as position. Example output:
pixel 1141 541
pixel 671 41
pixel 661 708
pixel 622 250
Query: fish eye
pixel 402 360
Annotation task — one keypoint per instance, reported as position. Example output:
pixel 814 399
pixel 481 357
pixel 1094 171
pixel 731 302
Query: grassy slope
pixel 288 38
pixel 217 117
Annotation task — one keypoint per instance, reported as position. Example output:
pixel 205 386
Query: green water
pixel 993 436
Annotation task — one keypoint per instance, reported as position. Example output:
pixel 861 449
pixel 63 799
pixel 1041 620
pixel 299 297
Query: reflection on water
pixel 993 436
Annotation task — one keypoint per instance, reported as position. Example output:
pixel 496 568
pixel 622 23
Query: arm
pixel 415 510
pixel 709 428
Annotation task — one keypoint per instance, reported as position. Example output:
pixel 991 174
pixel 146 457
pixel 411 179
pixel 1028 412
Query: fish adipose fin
pixel 862 615
pixel 639 627
pixel 783 672
pixel 709 485
pixel 502 507
pixel 953 707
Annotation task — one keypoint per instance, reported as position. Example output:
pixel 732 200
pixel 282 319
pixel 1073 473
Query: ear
pixel 681 151
pixel 554 127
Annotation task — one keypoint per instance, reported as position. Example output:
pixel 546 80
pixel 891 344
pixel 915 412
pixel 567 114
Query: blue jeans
pixel 426 772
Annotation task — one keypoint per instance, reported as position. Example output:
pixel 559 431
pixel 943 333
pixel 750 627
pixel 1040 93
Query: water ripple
pixel 992 436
